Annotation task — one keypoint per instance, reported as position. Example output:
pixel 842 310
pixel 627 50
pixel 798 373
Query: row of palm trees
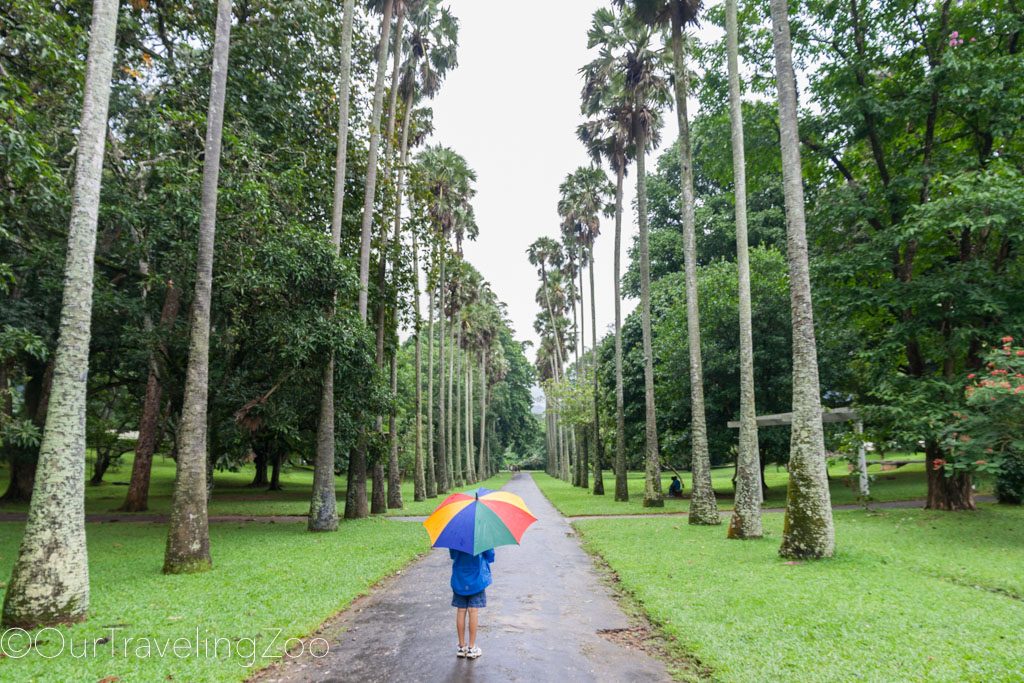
pixel 626 89
pixel 50 580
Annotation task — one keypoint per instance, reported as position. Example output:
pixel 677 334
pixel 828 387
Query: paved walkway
pixel 542 621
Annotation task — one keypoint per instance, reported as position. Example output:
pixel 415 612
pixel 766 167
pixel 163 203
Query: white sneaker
pixel 473 652
pixel 461 651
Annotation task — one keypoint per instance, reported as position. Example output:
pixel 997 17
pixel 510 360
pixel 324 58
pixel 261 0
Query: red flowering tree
pixel 989 435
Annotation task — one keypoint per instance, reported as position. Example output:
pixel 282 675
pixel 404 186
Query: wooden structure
pixel 828 416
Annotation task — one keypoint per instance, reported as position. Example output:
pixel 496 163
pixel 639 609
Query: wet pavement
pixel 542 620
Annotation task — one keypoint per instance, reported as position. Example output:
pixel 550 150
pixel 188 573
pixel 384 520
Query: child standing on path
pixel 471 575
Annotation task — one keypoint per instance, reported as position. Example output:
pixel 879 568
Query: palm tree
pixel 50 581
pixel 432 52
pixel 447 180
pixel 676 14
pixel 746 518
pixel 606 136
pixel 627 67
pixel 585 196
pixel 808 530
pixel 323 506
pixel 188 539
pixel 355 502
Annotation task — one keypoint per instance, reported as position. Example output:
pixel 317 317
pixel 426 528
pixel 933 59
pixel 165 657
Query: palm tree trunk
pixel 652 476
pixel 323 505
pixel 746 518
pixel 443 481
pixel 598 474
pixel 423 473
pixel 188 539
pixel 137 498
pixel 355 502
pixel 50 581
pixel 434 470
pixel 458 389
pixel 453 466
pixel 471 468
pixel 482 460
pixel 383 48
pixel 808 530
pixel 703 507
pixel 621 480
pixel 394 474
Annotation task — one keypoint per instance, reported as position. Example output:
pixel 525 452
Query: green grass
pixel 907 483
pixel 911 595
pixel 269 580
pixel 231 493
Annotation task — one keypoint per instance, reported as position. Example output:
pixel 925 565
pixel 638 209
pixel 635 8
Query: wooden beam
pixel 780 419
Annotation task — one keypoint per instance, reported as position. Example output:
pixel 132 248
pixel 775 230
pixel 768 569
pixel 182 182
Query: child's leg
pixel 460 625
pixel 473 616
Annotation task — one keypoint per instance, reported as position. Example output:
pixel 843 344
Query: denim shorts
pixel 464 601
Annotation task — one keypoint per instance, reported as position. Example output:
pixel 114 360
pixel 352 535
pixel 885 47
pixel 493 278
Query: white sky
pixel 511 108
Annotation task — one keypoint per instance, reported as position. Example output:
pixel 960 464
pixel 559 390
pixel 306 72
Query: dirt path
pixel 542 621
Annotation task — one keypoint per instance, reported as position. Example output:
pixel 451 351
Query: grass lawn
pixel 906 483
pixel 270 582
pixel 231 493
pixel 912 595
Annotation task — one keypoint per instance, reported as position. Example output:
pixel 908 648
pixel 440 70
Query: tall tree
pixel 606 136
pixel 808 529
pixel 627 62
pixel 676 14
pixel 746 517
pixel 323 506
pixel 188 538
pixel 50 580
pixel 355 503
pixel 585 195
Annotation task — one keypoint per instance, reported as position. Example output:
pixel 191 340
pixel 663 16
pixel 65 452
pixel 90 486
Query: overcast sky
pixel 511 108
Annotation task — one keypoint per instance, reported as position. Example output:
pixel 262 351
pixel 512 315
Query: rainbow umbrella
pixel 479 520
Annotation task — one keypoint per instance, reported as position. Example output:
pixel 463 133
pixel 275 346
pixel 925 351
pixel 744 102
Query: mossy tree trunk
pixel 621 479
pixel 323 505
pixel 188 538
pixel 746 518
pixel 50 581
pixel 808 529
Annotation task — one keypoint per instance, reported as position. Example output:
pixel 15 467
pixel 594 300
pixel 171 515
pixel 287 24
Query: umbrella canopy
pixel 479 520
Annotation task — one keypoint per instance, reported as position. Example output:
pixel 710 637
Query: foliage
pixel 987 435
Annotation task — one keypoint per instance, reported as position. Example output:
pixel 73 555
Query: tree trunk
pixel 746 518
pixel 652 476
pixel 703 507
pixel 23 479
pixel 394 473
pixel 808 530
pixel 482 459
pixel 323 504
pixel 260 463
pixel 621 480
pixel 137 499
pixel 379 500
pixel 422 478
pixel 188 538
pixel 443 483
pixel 458 390
pixel 433 467
pixel 355 502
pixel 383 48
pixel 276 460
pixel 598 474
pixel 453 407
pixel 954 492
pixel 50 581
pixel 471 468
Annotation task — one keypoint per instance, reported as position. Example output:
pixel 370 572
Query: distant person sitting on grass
pixel 471 575
pixel 675 489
